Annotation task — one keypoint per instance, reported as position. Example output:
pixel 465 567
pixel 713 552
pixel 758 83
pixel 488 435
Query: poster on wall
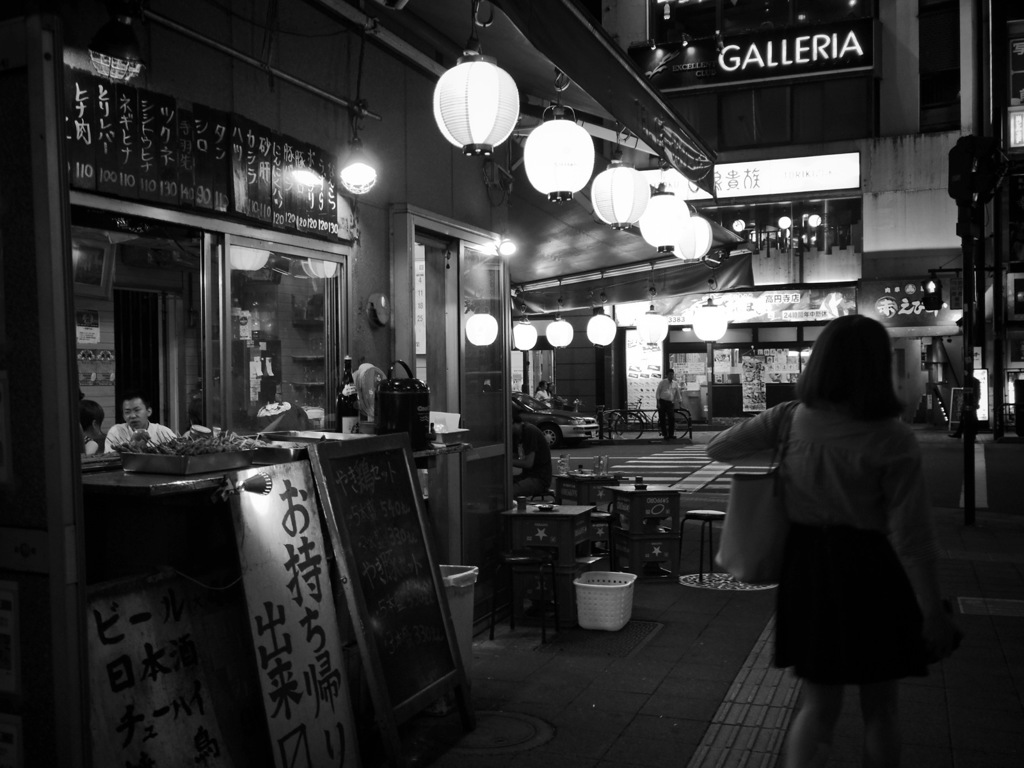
pixel 87 327
pixel 643 372
pixel 753 384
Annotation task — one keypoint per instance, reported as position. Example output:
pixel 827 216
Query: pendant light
pixel 601 329
pixel 524 335
pixel 358 169
pixel 652 327
pixel 710 321
pixel 476 102
pixel 114 50
pixel 696 239
pixel 620 195
pixel 663 220
pixel 559 333
pixel 558 156
pixel 481 329
pixel 319 268
pixel 248 259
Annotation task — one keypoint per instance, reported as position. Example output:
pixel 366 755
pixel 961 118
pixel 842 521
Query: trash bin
pixel 458 587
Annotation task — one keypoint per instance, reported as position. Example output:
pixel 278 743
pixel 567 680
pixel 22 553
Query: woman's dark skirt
pixel 846 611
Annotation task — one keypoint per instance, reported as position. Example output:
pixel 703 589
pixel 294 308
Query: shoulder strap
pixel 787 424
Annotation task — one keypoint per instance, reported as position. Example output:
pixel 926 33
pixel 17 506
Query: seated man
pixel 137 428
pixel 532 455
pixel 90 416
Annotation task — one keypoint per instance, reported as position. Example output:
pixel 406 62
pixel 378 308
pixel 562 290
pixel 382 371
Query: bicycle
pixel 627 421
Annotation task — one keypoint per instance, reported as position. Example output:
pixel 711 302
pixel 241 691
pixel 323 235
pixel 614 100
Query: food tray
pixel 604 599
pixel 163 464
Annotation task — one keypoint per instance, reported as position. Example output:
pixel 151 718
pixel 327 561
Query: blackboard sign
pixel 80 134
pixel 212 145
pixel 186 158
pixel 384 545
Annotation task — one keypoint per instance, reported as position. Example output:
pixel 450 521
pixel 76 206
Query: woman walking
pixel 858 601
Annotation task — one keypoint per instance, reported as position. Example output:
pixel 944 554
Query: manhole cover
pixel 502 732
pixel 719 581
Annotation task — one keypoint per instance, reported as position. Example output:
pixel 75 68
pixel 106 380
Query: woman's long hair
pixel 851 367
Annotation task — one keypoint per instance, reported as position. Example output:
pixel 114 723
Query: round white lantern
pixel 248 259
pixel 559 333
pixel 524 335
pixel 663 221
pixel 710 321
pixel 476 104
pixel 601 329
pixel 482 329
pixel 785 222
pixel 559 158
pixel 620 195
pixel 696 239
pixel 319 268
pixel 814 220
pixel 652 327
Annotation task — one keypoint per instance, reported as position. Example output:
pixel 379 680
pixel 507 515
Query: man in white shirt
pixel 668 395
pixel 137 428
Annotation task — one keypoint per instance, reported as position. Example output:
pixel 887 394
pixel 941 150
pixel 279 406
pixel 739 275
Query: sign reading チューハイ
pixel 292 617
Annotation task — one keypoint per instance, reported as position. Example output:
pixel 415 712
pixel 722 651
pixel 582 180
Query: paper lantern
pixel 524 335
pixel 652 327
pixel 601 329
pixel 482 329
pixel 663 221
pixel 359 171
pixel 559 333
pixel 620 195
pixel 559 158
pixel 696 239
pixel 710 321
pixel 476 104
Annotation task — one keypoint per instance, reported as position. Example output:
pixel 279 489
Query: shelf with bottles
pixel 307 358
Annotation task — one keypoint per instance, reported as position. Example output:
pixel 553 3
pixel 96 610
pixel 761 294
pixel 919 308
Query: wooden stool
pixel 706 517
pixel 543 561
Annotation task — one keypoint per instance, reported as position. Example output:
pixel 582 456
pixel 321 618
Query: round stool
pixel 544 562
pixel 706 517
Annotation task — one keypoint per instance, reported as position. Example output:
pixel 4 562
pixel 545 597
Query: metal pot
pixel 403 405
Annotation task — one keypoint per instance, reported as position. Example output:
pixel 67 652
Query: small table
pixel 583 488
pixel 564 529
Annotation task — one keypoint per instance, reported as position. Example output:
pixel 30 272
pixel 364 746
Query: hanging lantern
pixel 248 259
pixel 559 333
pixel 696 239
pixel 601 328
pixel 476 104
pixel 662 222
pixel 524 335
pixel 319 268
pixel 710 321
pixel 620 195
pixel 559 157
pixel 652 327
pixel 481 329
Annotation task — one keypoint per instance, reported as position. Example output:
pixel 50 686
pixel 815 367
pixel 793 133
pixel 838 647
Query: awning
pixel 586 53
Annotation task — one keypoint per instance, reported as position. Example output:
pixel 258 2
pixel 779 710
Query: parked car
pixel 557 425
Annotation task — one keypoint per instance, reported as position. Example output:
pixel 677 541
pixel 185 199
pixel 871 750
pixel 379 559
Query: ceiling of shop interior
pixel 555 240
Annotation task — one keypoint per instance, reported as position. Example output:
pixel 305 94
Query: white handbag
pixel 754 531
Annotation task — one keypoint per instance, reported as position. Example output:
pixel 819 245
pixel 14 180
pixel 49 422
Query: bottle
pixel 348 403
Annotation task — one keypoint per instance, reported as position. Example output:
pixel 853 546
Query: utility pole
pixel 976 168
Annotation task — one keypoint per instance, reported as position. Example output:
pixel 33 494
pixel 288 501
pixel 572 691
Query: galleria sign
pixel 774 54
pixel 787 52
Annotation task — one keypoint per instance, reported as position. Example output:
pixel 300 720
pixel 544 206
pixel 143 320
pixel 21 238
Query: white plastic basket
pixel 604 599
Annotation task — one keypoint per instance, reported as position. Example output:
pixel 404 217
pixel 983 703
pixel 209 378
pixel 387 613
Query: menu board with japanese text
pixel 165 660
pixel 140 145
pixel 384 545
pixel 292 617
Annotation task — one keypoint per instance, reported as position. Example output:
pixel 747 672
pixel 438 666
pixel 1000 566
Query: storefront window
pixel 280 377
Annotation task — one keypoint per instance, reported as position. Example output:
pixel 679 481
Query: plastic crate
pixel 604 599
